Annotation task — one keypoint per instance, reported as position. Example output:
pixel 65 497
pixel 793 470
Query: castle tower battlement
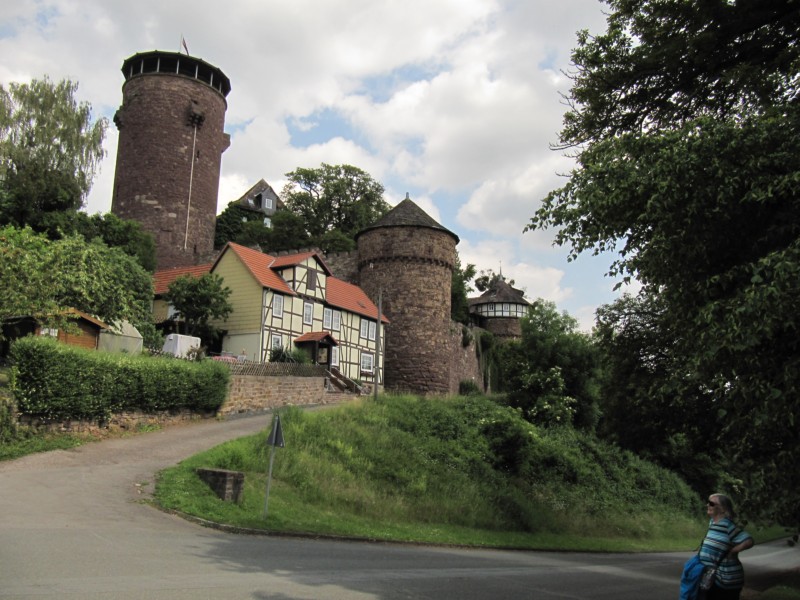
pixel 169 154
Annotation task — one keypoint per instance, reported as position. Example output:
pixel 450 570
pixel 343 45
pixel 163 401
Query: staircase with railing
pixel 337 382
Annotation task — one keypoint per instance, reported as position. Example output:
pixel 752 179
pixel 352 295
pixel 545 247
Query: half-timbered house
pixel 294 301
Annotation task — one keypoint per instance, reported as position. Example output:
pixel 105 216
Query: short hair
pixel 726 505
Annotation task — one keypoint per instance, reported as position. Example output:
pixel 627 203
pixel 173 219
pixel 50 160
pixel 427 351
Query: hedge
pixel 56 382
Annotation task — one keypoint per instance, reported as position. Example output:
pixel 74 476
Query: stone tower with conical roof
pixel 406 259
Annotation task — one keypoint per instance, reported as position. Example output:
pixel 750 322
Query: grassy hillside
pixel 460 471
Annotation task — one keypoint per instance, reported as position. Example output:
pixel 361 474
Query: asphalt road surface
pixel 73 526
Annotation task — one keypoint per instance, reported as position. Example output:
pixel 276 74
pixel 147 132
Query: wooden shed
pixel 85 335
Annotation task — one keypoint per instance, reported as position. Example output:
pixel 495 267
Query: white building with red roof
pixel 291 301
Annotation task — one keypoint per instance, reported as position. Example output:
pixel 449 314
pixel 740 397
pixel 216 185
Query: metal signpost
pixel 275 439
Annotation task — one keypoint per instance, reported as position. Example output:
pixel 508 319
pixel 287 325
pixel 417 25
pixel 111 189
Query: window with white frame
pixel 277 305
pixel 372 330
pixel 308 313
pixel 267 222
pixel 364 333
pixel 268 202
pixel 334 356
pixel 331 319
pixel 275 342
pixel 367 362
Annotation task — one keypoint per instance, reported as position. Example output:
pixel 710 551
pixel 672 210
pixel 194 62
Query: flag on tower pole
pixel 183 43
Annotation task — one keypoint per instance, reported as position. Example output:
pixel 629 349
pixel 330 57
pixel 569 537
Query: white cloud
pixel 453 101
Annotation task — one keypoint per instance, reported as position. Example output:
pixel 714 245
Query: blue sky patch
pixel 381 88
pixel 321 126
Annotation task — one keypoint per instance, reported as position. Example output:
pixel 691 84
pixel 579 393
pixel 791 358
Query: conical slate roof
pixel 407 214
pixel 500 291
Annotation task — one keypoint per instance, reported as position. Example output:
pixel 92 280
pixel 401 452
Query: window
pixel 268 202
pixel 367 362
pixel 277 305
pixel 334 356
pixel 364 328
pixel 371 330
pixel 327 318
pixel 337 321
pixel 267 222
pixel 48 331
pixel 308 313
pixel 275 342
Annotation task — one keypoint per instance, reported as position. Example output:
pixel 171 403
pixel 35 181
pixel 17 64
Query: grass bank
pixel 462 471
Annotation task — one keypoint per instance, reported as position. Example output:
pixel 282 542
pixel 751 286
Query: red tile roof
pixel 339 293
pixel 260 265
pixel 352 298
pixel 162 279
pixel 316 336
pixel 290 260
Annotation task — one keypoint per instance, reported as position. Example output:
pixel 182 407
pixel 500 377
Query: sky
pixel 456 103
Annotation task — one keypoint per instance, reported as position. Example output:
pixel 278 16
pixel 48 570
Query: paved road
pixel 72 525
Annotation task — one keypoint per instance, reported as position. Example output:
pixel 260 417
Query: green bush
pixel 468 387
pixel 57 382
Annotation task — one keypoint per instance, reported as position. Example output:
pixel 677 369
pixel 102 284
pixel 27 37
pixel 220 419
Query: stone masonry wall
pixel 254 393
pixel 344 265
pixel 154 163
pixel 504 327
pixel 464 362
pixel 412 268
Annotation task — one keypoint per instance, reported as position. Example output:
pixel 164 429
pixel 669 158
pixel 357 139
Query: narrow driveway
pixel 72 525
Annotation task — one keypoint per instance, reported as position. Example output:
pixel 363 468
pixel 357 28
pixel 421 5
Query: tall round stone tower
pixel 171 141
pixel 407 259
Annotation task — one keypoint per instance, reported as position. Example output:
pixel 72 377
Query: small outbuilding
pixel 85 334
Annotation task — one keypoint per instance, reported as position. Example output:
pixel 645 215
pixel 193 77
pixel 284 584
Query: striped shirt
pixel 720 538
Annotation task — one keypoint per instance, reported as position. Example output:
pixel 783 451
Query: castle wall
pixel 464 361
pixel 411 268
pixel 504 327
pixel 344 265
pixel 163 171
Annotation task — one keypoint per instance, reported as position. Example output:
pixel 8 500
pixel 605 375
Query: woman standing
pixel 721 546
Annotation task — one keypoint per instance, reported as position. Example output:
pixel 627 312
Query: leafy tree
pixel 488 278
pixel 288 232
pixel 49 148
pixel 459 290
pixel 552 373
pixel 42 278
pixel 109 228
pixel 334 197
pixel 647 406
pixel 685 119
pixel 25 275
pixel 231 222
pixel 198 300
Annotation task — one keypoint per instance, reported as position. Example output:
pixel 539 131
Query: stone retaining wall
pixel 254 393
pixel 246 394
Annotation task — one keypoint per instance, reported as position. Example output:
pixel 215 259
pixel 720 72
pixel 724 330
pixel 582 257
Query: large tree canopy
pixel 42 278
pixel 49 146
pixel 334 198
pixel 686 122
pixel 552 372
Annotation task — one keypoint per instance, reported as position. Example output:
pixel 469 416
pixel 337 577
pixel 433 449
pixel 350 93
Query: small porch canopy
pixel 317 344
